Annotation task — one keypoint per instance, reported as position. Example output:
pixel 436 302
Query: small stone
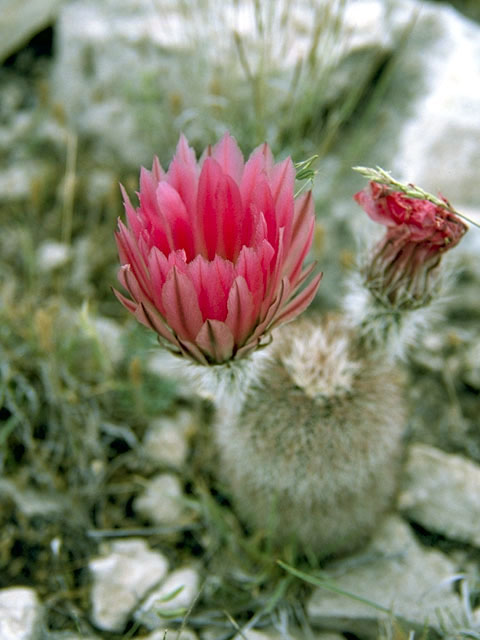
pixel 16 180
pixel 166 440
pixel 161 501
pixel 442 113
pixel 65 635
pixel 53 255
pixel 20 614
pixel 253 634
pixel 394 573
pixel 121 578
pixel 293 634
pixel 110 336
pixel 177 593
pixel 472 366
pixel 441 492
pixel 21 19
pixel 172 634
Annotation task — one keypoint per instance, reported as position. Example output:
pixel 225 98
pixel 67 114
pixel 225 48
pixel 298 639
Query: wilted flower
pixel 212 258
pixel 404 264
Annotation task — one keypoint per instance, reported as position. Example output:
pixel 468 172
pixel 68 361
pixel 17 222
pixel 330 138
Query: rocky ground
pixel 110 527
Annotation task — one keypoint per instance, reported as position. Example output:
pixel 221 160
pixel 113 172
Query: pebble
pixel 161 500
pixel 441 492
pixel 53 255
pixel 395 573
pixel 167 439
pixel 172 634
pixel 161 605
pixel 21 19
pixel 20 614
pixel 121 578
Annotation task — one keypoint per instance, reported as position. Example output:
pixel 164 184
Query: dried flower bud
pixel 402 271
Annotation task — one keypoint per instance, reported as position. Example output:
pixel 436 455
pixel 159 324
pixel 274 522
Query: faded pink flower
pixel 420 220
pixel 212 258
pixel 403 268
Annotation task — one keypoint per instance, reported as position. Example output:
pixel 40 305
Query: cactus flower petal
pixel 212 256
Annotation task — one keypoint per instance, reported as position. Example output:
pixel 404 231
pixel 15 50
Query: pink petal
pixel 282 183
pixel 298 304
pixel 251 268
pixel 132 216
pixel 181 305
pixel 257 167
pixel 241 311
pixel 275 277
pixel 296 284
pixel 147 315
pixel 158 267
pixel 129 281
pixel 191 350
pixel 229 157
pixel 147 195
pixel 212 282
pixel 261 198
pixel 157 172
pixel 183 176
pixel 207 235
pixel 229 209
pixel 130 254
pixel 271 312
pixel 215 340
pixel 302 235
pixel 177 225
pixel 128 304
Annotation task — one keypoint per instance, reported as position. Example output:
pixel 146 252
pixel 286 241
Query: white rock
pixel 166 440
pixel 53 255
pixel 20 614
pixel 22 19
pixel 31 502
pixel 65 635
pixel 121 578
pixel 441 492
pixel 253 634
pixel 472 373
pixel 172 634
pixel 109 334
pixel 395 573
pixel 160 600
pixel 173 57
pixel 16 180
pixel 161 501
pixel 438 144
pixel 290 634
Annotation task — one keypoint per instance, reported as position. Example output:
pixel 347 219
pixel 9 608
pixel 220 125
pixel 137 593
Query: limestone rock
pixel 166 440
pixel 172 634
pixel 53 255
pixel 21 20
pixel 441 492
pixel 20 614
pixel 161 501
pixel 172 56
pixel 121 577
pixel 290 634
pixel 396 574
pixel 445 49
pixel 175 594
pixel 254 634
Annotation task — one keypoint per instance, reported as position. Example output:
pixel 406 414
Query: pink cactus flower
pixel 212 258
pixel 403 268
pixel 422 221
